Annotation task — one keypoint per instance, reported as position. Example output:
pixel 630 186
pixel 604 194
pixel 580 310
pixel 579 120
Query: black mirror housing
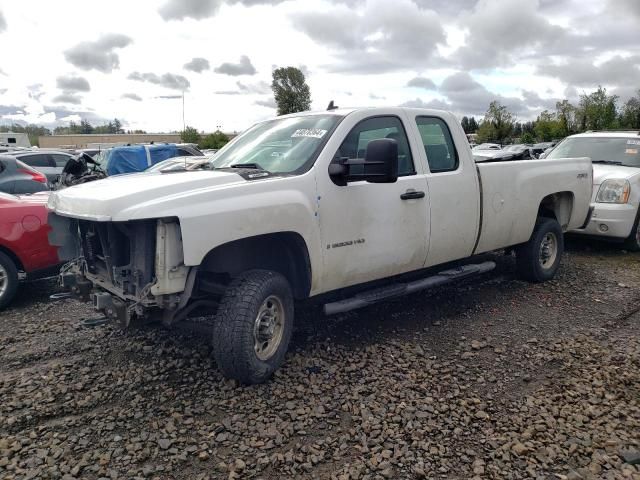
pixel 380 164
pixel 381 161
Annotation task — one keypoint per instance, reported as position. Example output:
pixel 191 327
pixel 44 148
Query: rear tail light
pixel 35 176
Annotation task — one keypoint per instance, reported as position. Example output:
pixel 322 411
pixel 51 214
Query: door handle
pixel 412 195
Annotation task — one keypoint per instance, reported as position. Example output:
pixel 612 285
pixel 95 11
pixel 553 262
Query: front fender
pixel 209 218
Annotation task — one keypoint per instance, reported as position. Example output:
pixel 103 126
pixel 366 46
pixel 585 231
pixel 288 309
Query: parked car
pixel 616 183
pixel 539 149
pixel 137 158
pixel 25 253
pixel 49 162
pixel 17 177
pixel 82 168
pixel 487 146
pixel 520 151
pixel 92 152
pixel 188 149
pixel 290 210
pixel 179 164
pixel 510 152
pixel 493 155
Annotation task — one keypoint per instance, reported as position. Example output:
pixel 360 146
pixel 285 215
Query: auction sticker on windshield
pixel 309 133
pixel 633 142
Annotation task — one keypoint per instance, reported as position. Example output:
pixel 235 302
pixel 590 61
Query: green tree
pixel 107 128
pixel 548 127
pixel 567 116
pixel 72 129
pixel 215 140
pixel 630 115
pixel 486 133
pixel 117 126
pixel 190 135
pixel 465 124
pixel 85 127
pixel 527 137
pixel 497 125
pixel 473 125
pixel 598 110
pixel 290 89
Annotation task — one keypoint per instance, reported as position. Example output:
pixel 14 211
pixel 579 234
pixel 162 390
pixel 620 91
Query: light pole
pixel 183 123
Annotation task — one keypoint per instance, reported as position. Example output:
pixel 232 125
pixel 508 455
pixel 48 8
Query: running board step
pixel 398 289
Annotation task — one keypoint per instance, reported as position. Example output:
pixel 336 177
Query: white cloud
pixel 99 54
pixel 167 80
pixel 526 53
pixel 243 67
pixel 197 65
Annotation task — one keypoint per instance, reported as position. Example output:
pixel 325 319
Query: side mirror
pixel 380 164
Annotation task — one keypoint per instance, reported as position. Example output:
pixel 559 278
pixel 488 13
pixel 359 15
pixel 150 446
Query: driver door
pixel 373 230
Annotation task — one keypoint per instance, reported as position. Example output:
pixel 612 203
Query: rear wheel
pixel 633 241
pixel 253 326
pixel 538 260
pixel 8 280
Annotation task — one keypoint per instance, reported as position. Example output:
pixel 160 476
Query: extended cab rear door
pixel 371 230
pixel 454 197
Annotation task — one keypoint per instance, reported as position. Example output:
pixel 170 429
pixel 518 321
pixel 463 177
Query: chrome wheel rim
pixel 4 280
pixel 548 250
pixel 268 328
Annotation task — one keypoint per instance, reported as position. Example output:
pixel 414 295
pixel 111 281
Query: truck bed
pixel 512 191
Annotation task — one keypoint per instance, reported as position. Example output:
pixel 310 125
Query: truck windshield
pixel 286 145
pixel 616 150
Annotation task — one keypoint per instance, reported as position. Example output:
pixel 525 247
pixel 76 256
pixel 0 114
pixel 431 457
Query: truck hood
pixel 603 171
pixel 104 199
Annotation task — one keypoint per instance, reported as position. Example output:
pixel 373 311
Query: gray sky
pixel 73 59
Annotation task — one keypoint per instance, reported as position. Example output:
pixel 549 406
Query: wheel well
pixel 558 206
pixel 282 252
pixel 13 257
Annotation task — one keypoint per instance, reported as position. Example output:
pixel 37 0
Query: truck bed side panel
pixel 513 191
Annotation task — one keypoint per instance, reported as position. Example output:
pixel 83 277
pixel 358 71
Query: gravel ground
pixel 493 378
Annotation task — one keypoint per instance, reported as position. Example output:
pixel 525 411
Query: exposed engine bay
pixel 127 268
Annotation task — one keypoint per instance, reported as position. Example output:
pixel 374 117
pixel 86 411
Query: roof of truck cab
pixel 346 111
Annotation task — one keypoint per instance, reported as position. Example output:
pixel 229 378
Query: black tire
pixel 530 262
pixel 237 345
pixel 632 243
pixel 8 280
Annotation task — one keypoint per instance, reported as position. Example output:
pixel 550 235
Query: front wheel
pixel 538 260
pixel 8 280
pixel 632 243
pixel 253 326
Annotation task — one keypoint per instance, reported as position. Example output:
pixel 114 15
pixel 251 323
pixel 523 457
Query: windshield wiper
pixel 254 166
pixel 609 162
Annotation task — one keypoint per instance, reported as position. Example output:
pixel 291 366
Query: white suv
pixel 616 182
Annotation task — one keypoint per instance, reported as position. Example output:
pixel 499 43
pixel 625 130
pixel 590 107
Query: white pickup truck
pixel 306 205
pixel 616 183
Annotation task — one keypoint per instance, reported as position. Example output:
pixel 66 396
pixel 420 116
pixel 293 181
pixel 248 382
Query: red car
pixel 25 252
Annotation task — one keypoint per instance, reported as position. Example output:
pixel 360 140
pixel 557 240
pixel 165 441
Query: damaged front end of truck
pixel 130 270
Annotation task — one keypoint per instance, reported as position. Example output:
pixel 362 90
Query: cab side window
pixel 60 160
pixel 438 144
pixel 355 145
pixel 38 160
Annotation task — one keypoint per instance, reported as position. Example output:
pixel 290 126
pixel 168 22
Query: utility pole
pixel 183 124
